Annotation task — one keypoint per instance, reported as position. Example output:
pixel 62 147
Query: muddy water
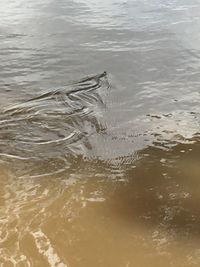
pixel 99 133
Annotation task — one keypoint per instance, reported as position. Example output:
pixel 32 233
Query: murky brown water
pixel 99 133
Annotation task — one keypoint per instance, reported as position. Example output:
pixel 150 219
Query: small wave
pixel 55 124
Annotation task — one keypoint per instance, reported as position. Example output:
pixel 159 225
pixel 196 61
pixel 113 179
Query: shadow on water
pixel 161 189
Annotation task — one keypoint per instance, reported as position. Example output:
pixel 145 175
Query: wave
pixel 54 125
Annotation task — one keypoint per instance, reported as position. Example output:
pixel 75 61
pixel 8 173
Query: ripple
pixel 55 124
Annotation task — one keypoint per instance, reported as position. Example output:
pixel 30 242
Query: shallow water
pixel 99 133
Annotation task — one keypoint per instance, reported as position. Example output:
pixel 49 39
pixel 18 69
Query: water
pixel 99 133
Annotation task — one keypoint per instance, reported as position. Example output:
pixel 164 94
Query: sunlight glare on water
pixel 99 133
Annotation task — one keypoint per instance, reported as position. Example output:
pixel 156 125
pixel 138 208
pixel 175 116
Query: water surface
pixel 99 133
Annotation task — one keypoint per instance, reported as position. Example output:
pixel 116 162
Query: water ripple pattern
pixel 54 125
